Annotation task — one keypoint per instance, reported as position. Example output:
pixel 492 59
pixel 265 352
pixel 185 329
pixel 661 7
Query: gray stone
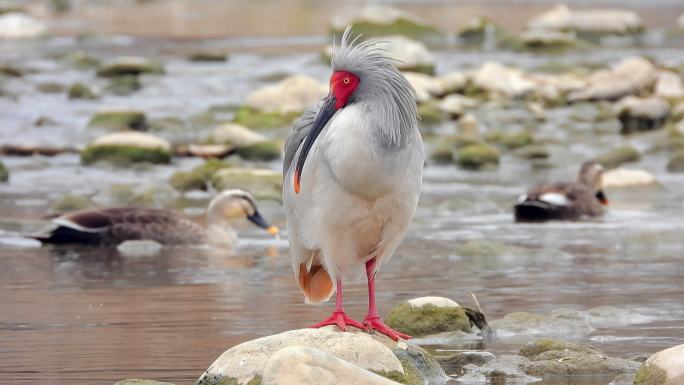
pixel 588 21
pixel 629 77
pixel 665 367
pixel 641 114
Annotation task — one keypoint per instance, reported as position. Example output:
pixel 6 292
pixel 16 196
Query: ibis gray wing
pixel 298 133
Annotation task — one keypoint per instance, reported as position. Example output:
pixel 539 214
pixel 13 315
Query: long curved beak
pixel 258 220
pixel 324 114
pixel 601 196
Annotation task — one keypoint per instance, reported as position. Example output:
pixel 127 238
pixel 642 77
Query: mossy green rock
pixel 532 152
pixel 79 59
pixel 430 113
pixel 81 91
pixel 650 375
pixel 123 85
pixel 510 139
pixel 208 56
pixel 261 182
pixel 676 162
pixel 4 173
pixel 254 119
pixel 116 119
pixel 10 71
pixel 618 156
pixel 71 202
pixel 199 177
pixel 129 66
pixel 124 155
pixel 478 156
pixel 477 29
pixel 268 150
pixel 427 319
pixel 142 382
pixel 51 87
pixel 536 347
pixel 443 153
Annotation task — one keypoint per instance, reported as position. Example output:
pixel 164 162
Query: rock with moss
pixel 456 105
pixel 11 71
pixel 4 173
pixel 236 135
pixel 261 182
pixel 123 85
pixel 665 367
pixel 51 87
pixel 533 152
pixel 618 156
pixel 199 178
pixel 443 153
pixel 119 119
pixel 497 79
pixel 588 23
pixel 256 119
pixel 71 202
pixel 511 140
pixel 500 370
pixel 550 357
pixel 454 363
pixel 18 25
pixel 208 56
pixel 127 147
pixel 79 59
pixel 477 156
pixel 548 41
pixel 676 162
pixel 244 362
pixel 482 32
pixel 167 124
pixel 129 65
pixel 266 151
pixel 430 114
pixel 142 382
pixel 374 20
pixel 428 315
pixel 641 114
pixel 629 77
pixel 81 91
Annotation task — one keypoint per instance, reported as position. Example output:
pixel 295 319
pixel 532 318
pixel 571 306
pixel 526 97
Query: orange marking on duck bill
pixel 297 177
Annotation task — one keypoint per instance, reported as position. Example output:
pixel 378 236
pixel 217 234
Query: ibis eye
pixel 346 81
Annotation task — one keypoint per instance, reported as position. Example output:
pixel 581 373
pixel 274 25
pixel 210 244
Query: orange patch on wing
pixel 316 284
pixel 297 178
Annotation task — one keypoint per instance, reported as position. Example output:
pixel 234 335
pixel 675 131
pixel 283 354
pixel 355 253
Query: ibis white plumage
pixel 352 178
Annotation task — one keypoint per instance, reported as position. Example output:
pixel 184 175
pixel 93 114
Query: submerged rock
pixel 618 156
pixel 623 177
pixel 17 25
pixel 293 94
pixel 139 248
pixel 382 20
pixel 125 147
pixel 641 114
pixel 129 65
pixel 534 348
pixel 588 21
pixel 500 370
pixel 629 77
pixel 119 119
pixel 81 91
pixel 665 367
pixel 123 85
pixel 428 315
pixel 299 365
pixel 477 156
pixel 455 362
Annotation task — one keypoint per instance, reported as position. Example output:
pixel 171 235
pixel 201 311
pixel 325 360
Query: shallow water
pixel 90 316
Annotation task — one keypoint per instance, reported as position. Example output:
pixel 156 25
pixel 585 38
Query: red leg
pixel 372 320
pixel 339 317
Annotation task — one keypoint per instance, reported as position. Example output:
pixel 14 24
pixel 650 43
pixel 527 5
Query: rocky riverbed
pixel 95 119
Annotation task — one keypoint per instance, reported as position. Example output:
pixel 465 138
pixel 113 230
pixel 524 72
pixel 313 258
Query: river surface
pixel 78 315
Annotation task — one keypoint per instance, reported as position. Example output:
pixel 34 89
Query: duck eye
pixel 346 81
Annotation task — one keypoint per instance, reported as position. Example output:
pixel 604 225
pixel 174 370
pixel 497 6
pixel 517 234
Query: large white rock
pixel 292 94
pixel 666 367
pixel 244 361
pixel 452 82
pixel 17 25
pixel 426 86
pixel 374 14
pixel 669 85
pixel 602 21
pixel 623 177
pixel 410 53
pixel 456 105
pixel 236 134
pixel 132 138
pixel 435 301
pixel 629 77
pixel 497 78
pixel 299 365
pixel 649 108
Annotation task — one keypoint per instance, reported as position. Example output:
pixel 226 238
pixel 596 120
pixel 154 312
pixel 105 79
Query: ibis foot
pixel 340 319
pixel 375 323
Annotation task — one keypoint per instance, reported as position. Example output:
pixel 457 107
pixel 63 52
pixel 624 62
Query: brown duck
pixel 565 201
pixel 114 225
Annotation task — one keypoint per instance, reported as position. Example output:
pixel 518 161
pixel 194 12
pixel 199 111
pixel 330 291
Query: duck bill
pixel 258 220
pixel 324 115
pixel 601 196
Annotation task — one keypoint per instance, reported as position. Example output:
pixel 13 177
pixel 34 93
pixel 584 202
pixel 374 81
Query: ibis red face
pixel 342 86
